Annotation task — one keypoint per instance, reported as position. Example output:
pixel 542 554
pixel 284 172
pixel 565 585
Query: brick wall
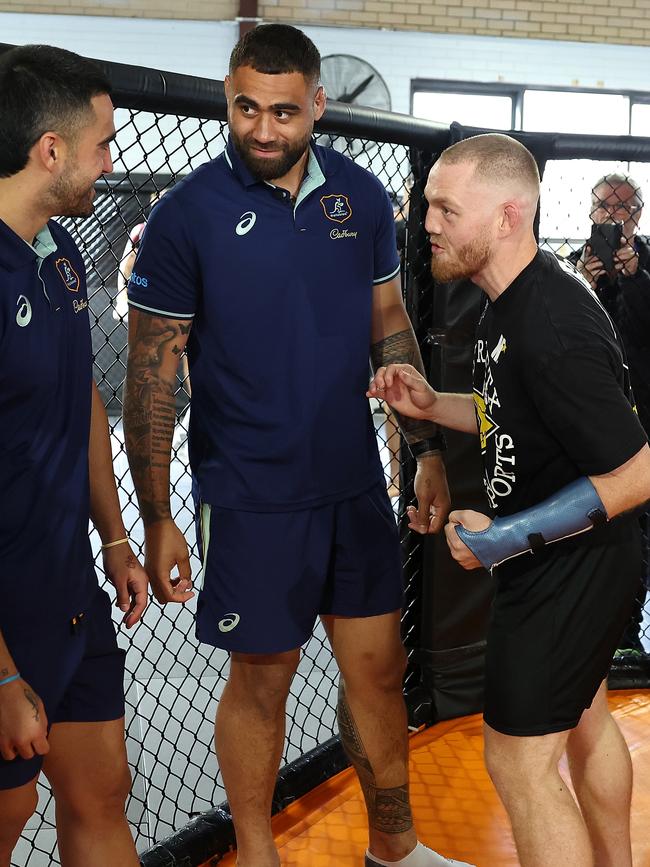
pixel 592 21
pixel 201 10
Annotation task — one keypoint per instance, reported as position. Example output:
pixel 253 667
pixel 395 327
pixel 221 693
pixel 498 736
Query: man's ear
pixel 510 219
pixel 48 150
pixel 320 101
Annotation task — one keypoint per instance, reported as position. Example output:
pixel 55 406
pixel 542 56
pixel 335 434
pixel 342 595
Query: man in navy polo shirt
pixel 276 264
pixel 61 671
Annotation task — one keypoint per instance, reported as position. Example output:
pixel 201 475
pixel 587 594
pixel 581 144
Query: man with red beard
pixel 564 456
pixel 277 265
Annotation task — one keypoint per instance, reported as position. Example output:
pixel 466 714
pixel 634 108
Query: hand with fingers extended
pixel 23 722
pixel 432 494
pixel 475 522
pixel 166 550
pixel 125 573
pixel 405 389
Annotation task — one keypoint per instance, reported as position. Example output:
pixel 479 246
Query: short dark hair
pixel 277 48
pixel 42 88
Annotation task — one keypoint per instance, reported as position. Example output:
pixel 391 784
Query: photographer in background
pixel 616 263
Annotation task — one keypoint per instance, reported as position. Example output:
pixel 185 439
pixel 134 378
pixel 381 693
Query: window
pixel 566 186
pixel 472 109
pixel 575 111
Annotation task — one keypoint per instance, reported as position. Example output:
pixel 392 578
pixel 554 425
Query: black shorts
pixel 268 575
pixel 78 672
pixel 556 621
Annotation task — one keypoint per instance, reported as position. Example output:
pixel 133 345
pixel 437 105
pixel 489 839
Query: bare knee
pixel 16 807
pixel 94 802
pixel 373 672
pixel 501 767
pixel 520 765
pixel 262 682
pixel 595 723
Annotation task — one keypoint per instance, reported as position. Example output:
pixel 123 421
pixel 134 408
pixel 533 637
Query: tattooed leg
pixel 389 810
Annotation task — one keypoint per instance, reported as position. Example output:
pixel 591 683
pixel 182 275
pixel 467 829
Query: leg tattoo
pixel 389 810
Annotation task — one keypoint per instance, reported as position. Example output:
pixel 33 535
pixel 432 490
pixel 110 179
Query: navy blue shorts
pixel 268 575
pixel 78 671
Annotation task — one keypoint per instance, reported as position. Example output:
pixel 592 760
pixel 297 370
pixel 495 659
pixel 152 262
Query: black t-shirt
pixel 551 388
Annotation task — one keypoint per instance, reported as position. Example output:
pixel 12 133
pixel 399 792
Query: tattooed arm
pixel 155 345
pixel 120 564
pixel 393 342
pixel 23 723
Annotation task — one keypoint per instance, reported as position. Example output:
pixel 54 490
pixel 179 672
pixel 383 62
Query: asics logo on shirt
pixel 24 315
pixel 229 622
pixel 246 223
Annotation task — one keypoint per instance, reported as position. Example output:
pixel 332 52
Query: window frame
pixel 516 92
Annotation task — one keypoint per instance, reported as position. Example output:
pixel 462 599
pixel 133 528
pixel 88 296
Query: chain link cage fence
pixel 167 125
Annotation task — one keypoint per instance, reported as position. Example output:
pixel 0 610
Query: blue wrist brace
pixel 574 509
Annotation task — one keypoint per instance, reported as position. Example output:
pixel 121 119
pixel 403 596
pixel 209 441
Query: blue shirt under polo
pixel 46 567
pixel 280 294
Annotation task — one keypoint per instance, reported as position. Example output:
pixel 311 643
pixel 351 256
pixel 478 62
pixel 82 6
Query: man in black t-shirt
pixel 564 453
pixel 623 287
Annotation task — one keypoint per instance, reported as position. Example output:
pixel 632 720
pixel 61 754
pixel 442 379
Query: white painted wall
pixel 192 47
pixel 202 48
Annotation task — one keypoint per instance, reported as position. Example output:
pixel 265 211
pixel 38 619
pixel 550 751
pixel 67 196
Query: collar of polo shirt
pixel 313 179
pixel 14 250
pixel 44 243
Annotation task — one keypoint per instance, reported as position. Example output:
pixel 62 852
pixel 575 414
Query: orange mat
pixel 456 809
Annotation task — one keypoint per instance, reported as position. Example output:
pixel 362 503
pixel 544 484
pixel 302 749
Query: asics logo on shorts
pixel 229 622
pixel 24 315
pixel 246 222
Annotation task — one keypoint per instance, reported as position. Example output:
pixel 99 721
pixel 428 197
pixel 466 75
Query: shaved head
pixel 498 160
pixel 482 195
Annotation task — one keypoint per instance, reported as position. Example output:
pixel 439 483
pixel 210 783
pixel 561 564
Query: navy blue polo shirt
pixel 46 567
pixel 280 294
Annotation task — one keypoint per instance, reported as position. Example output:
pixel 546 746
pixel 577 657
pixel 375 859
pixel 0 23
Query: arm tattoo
pixel 150 413
pixel 389 810
pixel 402 348
pixel 31 698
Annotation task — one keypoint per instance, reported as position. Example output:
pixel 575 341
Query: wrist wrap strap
pixel 574 509
pixel 435 443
